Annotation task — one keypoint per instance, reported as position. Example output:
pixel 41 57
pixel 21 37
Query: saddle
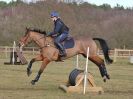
pixel 68 43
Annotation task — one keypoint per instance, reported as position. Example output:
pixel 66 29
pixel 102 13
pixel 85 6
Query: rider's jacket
pixel 59 27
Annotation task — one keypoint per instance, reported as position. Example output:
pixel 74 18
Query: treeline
pixel 86 20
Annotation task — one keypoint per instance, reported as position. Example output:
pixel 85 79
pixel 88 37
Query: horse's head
pixel 31 34
pixel 26 38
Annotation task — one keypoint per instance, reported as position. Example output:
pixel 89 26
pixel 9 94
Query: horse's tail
pixel 105 49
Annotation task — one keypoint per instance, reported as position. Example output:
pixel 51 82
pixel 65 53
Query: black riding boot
pixel 62 50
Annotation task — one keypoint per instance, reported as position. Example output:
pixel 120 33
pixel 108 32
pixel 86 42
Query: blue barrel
pixel 73 75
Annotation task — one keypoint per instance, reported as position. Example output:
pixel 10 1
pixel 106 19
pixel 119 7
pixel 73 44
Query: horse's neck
pixel 38 39
pixel 41 40
pixel 49 40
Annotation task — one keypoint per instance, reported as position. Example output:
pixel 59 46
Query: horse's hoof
pixel 108 77
pixel 29 72
pixel 104 79
pixel 33 82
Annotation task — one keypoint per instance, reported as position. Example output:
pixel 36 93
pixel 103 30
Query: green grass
pixel 14 83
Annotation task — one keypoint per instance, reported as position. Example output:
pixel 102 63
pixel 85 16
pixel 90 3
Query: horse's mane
pixel 37 30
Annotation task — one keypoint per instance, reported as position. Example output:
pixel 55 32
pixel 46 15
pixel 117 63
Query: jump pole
pixel 86 71
pixel 14 47
pixel 77 62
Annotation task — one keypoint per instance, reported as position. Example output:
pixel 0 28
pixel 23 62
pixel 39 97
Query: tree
pixel 119 7
pixel 105 6
pixel 3 4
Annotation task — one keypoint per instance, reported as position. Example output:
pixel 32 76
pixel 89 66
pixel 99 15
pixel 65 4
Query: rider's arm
pixel 57 28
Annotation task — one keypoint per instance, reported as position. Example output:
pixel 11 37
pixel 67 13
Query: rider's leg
pixel 58 41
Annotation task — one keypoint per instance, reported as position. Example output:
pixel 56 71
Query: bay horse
pixel 49 52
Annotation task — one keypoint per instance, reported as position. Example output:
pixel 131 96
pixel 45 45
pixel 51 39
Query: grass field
pixel 14 83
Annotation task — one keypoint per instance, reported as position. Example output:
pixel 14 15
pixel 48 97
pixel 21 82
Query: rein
pixel 46 44
pixel 41 38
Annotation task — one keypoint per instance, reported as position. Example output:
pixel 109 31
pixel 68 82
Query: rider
pixel 60 32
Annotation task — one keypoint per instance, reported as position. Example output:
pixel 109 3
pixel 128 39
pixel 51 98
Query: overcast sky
pixel 125 3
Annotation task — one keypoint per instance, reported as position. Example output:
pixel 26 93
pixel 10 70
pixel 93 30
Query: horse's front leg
pixel 43 66
pixel 38 58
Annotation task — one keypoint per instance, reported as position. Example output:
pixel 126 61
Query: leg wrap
pixel 38 76
pixel 30 64
pixel 103 70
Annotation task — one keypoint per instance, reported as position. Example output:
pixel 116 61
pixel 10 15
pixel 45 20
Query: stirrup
pixel 62 53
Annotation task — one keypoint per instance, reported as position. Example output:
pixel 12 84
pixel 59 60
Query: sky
pixel 125 3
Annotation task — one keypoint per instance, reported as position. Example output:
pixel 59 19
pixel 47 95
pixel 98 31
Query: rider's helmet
pixel 54 14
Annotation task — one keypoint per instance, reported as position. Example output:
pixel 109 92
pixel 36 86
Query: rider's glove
pixel 48 34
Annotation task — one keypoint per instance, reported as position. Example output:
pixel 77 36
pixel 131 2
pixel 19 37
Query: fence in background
pixel 116 53
pixel 122 53
pixel 27 50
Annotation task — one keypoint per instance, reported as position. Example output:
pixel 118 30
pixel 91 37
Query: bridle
pixel 46 44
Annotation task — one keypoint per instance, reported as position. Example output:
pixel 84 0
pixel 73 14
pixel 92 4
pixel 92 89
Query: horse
pixel 49 52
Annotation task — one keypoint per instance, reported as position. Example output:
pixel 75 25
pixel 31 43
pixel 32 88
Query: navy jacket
pixel 59 27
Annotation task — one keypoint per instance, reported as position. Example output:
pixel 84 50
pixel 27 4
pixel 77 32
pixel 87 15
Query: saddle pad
pixel 69 43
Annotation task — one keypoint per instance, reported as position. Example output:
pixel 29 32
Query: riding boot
pixel 62 50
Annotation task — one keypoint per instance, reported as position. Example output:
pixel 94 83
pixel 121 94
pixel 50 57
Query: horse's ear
pixel 27 28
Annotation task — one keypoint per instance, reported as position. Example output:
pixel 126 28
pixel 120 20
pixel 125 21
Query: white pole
pixel 14 47
pixel 20 49
pixel 115 54
pixel 77 62
pixel 6 51
pixel 86 71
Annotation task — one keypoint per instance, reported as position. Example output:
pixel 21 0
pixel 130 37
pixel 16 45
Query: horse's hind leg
pixel 100 63
pixel 38 58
